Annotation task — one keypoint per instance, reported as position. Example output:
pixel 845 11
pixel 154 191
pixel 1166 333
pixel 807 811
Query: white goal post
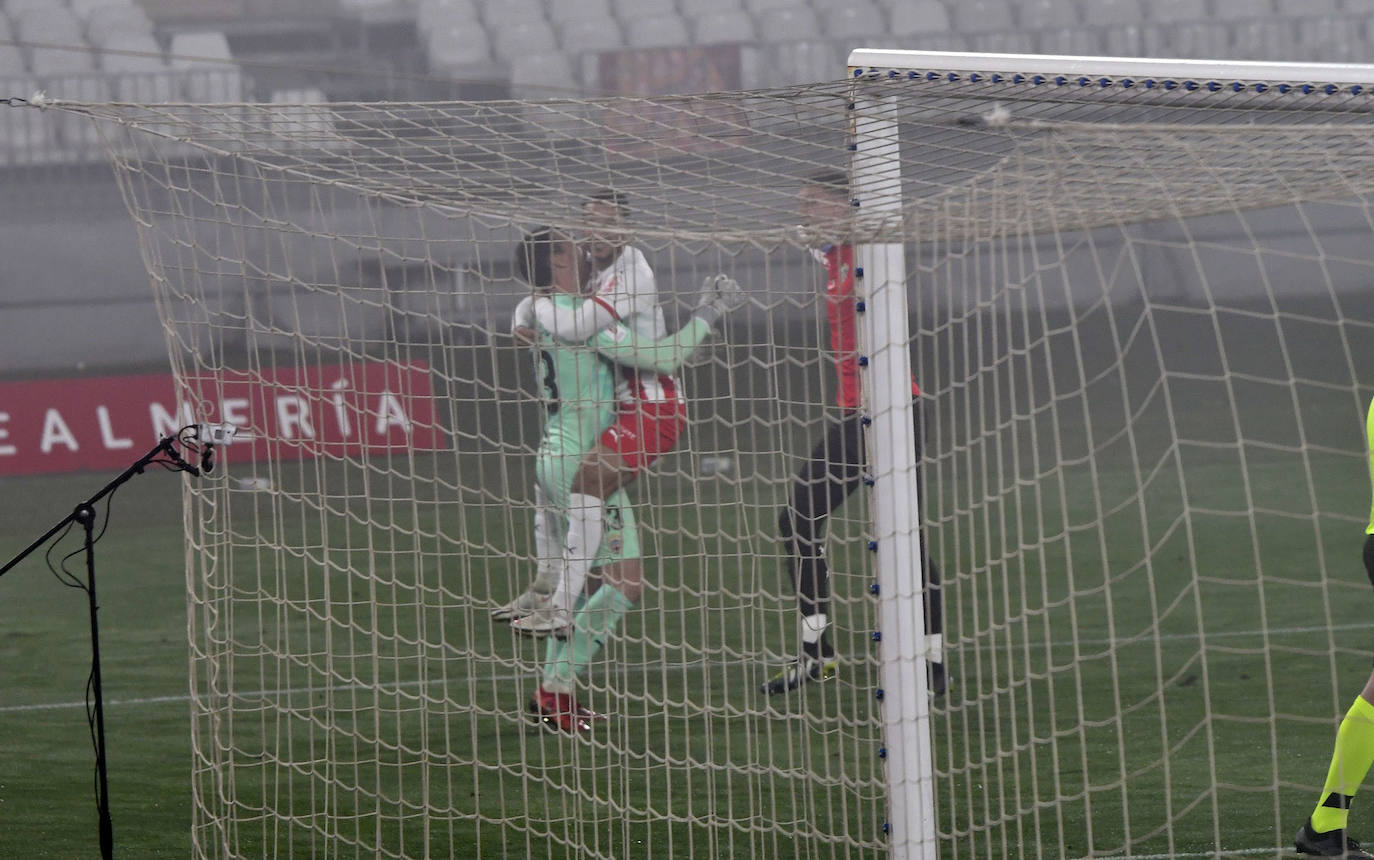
pixel 1134 295
pixel 877 165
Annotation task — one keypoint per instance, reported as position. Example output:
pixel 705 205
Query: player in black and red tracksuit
pixel 836 464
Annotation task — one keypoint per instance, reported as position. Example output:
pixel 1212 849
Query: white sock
pixel 584 538
pixel 813 627
pixel 548 548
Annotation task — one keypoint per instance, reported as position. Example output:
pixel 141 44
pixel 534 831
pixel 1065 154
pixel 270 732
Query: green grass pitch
pixel 1089 705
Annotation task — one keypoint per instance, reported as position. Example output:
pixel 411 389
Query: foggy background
pixel 74 291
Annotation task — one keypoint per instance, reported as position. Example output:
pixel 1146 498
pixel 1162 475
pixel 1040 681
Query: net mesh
pixel 1139 319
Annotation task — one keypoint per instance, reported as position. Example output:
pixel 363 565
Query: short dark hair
pixel 830 179
pixel 612 196
pixel 532 257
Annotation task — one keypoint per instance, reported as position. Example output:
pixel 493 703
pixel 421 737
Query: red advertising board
pixel 106 423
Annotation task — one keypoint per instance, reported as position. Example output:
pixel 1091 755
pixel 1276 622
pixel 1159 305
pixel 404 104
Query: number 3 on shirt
pixel 550 381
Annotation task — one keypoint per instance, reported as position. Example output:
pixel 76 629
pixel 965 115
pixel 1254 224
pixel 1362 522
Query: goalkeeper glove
pixel 720 294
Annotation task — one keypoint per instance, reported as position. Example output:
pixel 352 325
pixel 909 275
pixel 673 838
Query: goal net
pixel 1139 309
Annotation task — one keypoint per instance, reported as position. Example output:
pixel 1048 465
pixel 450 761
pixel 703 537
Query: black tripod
pixel 164 454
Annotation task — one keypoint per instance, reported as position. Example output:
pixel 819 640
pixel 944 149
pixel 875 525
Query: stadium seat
pixel 1306 8
pixel 1175 11
pixel 1108 13
pixel 499 14
pixel 433 15
pixel 854 20
pixel 1049 15
pixel 458 48
pixel 1069 42
pixel 82 8
pixel 15 8
pixel 983 16
pixel 142 78
pixel 1010 42
pixel 591 34
pixel 200 61
pixel 1241 10
pixel 562 11
pixel 724 27
pixel 1121 41
pixel 1194 40
pixel 1266 39
pixel 658 31
pixel 12 61
pixel 1330 40
pixel 59 61
pixel 628 10
pixel 786 63
pixel 921 16
pixel 523 36
pixel 695 9
pixel 757 6
pixel 136 52
pixel 54 26
pixel 542 75
pixel 103 22
pixel 788 24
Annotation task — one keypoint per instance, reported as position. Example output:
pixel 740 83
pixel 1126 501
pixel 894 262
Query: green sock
pixel 1349 764
pixel 591 627
pixel 557 676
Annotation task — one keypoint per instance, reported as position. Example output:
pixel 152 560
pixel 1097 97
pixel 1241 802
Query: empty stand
pixel 723 27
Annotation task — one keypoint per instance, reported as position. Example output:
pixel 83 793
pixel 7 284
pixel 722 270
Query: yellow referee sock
pixel 1349 764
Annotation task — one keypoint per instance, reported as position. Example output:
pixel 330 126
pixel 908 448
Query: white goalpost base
pixel 1135 296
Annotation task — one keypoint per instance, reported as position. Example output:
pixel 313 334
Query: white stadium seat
pixel 591 34
pixel 1068 41
pixel 1175 11
pixel 628 10
pixel 12 63
pixel 855 20
pixel 983 16
pixel 725 27
pixel 200 60
pixel 789 24
pixel 542 75
pixel 1203 39
pixel 697 8
pixel 1241 10
pixel 433 15
pixel 1107 13
pixel 1122 41
pixel 659 31
pixel 1308 9
pixel 1049 15
pixel 522 36
pixel 1009 42
pixel 1263 39
pixel 921 16
pixel 562 11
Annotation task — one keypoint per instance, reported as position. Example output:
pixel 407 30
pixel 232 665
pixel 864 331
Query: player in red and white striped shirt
pixel 651 412
pixel 834 470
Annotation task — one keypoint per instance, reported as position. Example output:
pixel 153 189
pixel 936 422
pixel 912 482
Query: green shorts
pixel 619 532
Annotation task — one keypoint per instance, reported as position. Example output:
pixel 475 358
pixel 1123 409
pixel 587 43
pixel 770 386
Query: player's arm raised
pixel 720 295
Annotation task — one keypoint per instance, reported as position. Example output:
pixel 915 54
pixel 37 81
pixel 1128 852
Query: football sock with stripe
pixel 592 625
pixel 584 538
pixel 557 677
pixel 1353 755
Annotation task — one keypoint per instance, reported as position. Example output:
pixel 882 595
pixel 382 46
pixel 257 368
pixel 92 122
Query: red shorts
pixel 645 430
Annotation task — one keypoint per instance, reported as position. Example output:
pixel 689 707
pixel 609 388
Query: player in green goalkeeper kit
pixel 579 394
pixel 1324 833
